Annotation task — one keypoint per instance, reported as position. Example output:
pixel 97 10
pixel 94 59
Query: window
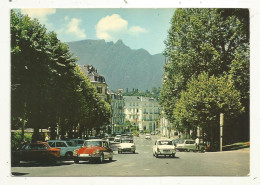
pixel 52 144
pixel 60 144
pixel 99 90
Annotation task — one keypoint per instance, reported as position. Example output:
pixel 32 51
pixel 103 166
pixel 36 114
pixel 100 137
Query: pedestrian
pixel 197 143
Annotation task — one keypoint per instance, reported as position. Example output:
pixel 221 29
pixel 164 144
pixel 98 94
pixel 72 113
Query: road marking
pixel 147 169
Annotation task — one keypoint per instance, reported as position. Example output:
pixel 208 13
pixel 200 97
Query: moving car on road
pixel 38 151
pixel 93 150
pixel 147 136
pixel 117 138
pixel 126 145
pixel 164 147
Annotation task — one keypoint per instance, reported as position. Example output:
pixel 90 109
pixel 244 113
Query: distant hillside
pixel 122 66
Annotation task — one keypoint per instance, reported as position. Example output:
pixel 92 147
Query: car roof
pixel 163 140
pixel 96 140
pixel 57 140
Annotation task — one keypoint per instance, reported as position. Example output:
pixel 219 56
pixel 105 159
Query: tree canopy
pixel 207 68
pixel 48 87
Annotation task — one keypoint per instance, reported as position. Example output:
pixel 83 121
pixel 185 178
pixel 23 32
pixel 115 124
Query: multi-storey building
pixel 118 117
pixel 96 79
pixel 142 112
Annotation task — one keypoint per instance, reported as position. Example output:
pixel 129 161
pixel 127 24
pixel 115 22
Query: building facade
pixel 97 80
pixel 117 121
pixel 142 112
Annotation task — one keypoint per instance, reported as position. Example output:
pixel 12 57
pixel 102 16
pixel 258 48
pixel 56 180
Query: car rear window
pixel 71 143
pixel 164 142
pixel 127 141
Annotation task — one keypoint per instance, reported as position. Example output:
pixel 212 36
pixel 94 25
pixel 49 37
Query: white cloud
pixel 73 28
pixel 112 28
pixel 136 30
pixel 39 13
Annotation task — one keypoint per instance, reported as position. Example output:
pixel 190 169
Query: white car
pixel 126 145
pixel 147 136
pixel 186 145
pixel 164 147
pixel 117 138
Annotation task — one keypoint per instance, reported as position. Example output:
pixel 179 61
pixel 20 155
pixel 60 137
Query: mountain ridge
pixel 121 66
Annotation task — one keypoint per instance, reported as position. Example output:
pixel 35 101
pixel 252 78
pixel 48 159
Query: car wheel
pixel 76 161
pixel 110 159
pixel 101 159
pixel 68 155
pixel 156 155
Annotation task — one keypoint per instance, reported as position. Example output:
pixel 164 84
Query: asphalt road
pixel 142 163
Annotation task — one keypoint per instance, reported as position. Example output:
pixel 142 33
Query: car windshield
pixel 92 143
pixel 164 142
pixel 127 141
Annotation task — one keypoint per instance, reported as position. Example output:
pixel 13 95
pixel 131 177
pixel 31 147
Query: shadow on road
pixel 163 157
pixel 41 164
pixel 128 153
pixel 95 162
pixel 19 174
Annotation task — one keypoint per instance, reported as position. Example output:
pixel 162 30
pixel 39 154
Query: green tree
pixel 47 86
pixel 203 101
pixel 203 40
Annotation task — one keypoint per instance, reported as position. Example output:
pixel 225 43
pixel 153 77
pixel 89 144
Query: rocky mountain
pixel 121 66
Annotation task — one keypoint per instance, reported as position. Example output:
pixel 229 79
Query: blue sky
pixel 138 28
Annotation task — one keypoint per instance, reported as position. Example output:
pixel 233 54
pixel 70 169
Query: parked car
pixel 164 147
pixel 117 138
pixel 175 142
pixel 66 147
pixel 147 136
pixel 126 145
pixel 93 150
pixel 38 151
pixel 186 145
pixel 78 142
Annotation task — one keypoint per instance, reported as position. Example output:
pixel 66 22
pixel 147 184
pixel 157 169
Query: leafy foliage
pixel 207 69
pixel 48 87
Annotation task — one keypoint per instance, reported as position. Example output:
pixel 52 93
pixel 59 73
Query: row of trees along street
pixel 47 86
pixel 207 72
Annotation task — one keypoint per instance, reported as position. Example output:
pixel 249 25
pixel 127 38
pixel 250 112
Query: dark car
pixel 38 151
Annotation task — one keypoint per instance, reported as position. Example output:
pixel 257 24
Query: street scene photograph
pixel 140 92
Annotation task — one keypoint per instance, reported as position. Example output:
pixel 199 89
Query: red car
pixel 93 150
pixel 38 151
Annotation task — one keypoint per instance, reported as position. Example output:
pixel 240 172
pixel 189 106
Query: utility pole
pixel 221 129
